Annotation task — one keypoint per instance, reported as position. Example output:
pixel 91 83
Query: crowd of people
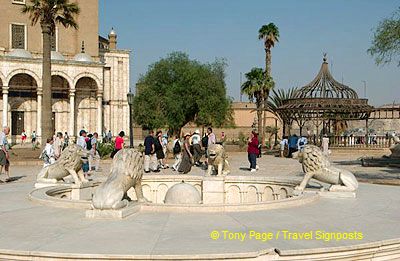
pixel 187 152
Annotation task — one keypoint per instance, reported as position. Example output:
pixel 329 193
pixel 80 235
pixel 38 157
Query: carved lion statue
pixel 126 172
pixel 69 163
pixel 217 160
pixel 316 165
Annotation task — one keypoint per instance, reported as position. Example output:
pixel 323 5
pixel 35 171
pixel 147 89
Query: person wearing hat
pixel 187 157
pixel 196 147
pixel 81 142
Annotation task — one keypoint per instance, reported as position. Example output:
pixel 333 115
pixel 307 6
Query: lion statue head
pixel 129 162
pixel 311 158
pixel 71 156
pixel 216 151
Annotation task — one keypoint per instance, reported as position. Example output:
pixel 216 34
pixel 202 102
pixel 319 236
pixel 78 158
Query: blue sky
pixel 210 29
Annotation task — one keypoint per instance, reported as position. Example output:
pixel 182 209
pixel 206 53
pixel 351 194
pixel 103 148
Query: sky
pixel 210 29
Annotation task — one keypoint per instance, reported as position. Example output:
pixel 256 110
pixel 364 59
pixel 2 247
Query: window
pixel 17 36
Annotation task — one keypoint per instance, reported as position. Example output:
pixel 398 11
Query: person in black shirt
pixel 149 153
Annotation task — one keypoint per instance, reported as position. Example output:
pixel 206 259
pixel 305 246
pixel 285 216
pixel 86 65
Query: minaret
pixel 112 37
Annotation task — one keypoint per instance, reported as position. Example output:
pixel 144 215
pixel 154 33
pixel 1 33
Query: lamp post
pixel 130 96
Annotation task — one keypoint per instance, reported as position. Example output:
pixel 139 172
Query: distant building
pixel 90 76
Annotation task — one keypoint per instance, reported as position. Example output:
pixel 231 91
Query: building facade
pixel 90 76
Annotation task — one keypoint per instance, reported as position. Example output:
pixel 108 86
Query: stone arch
pixel 268 194
pixel 89 75
pixel 251 194
pixel 161 192
pixel 22 98
pixel 86 116
pixel 283 193
pixel 65 76
pixel 24 71
pixel 233 195
pixel 147 192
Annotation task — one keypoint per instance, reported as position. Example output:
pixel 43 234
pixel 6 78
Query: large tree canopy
pixel 177 90
pixel 386 42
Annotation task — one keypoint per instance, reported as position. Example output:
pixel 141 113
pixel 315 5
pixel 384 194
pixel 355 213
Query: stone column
pixel 39 114
pixel 100 114
pixel 72 113
pixel 5 106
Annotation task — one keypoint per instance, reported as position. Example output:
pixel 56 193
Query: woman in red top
pixel 119 143
pixel 252 151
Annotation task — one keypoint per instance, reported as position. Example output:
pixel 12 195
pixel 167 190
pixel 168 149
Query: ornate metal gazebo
pixel 324 100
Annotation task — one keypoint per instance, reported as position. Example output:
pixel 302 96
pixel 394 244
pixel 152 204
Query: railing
pixel 360 141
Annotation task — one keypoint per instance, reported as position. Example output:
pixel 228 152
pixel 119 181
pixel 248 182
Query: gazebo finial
pixel 324 59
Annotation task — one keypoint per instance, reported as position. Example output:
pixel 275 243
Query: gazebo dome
pixel 57 56
pixel 83 57
pixel 325 86
pixel 20 53
pixel 324 97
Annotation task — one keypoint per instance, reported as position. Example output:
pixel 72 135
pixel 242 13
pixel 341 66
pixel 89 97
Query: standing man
pixel 301 143
pixel 4 155
pixel 94 154
pixel 33 140
pixel 58 145
pixel 149 153
pixel 81 142
pixel 109 136
pixel 292 144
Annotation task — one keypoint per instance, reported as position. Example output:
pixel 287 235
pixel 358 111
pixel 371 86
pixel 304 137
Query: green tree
pixel 49 13
pixel 177 90
pixel 255 86
pixel 386 41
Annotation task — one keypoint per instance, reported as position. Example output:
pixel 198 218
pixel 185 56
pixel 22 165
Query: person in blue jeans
pixel 252 151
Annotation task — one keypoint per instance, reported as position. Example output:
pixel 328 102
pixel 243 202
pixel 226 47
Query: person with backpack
pixel 48 155
pixel 177 150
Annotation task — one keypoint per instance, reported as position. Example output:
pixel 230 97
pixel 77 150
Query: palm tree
pixel 277 99
pixel 270 34
pixel 255 87
pixel 49 13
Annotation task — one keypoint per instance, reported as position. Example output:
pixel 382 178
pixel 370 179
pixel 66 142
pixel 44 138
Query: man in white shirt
pixel 82 143
pixel 48 155
pixel 284 143
pixel 301 142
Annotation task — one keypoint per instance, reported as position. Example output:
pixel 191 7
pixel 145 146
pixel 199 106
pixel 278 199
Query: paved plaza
pixel 29 228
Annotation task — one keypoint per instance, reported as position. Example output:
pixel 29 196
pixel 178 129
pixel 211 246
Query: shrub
pixel 105 149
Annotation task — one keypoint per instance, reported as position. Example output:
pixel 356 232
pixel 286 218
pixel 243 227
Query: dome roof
pixel 57 56
pixel 325 86
pixel 21 53
pixel 182 193
pixel 83 57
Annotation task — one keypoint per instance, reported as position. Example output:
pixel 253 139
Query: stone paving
pixel 26 226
